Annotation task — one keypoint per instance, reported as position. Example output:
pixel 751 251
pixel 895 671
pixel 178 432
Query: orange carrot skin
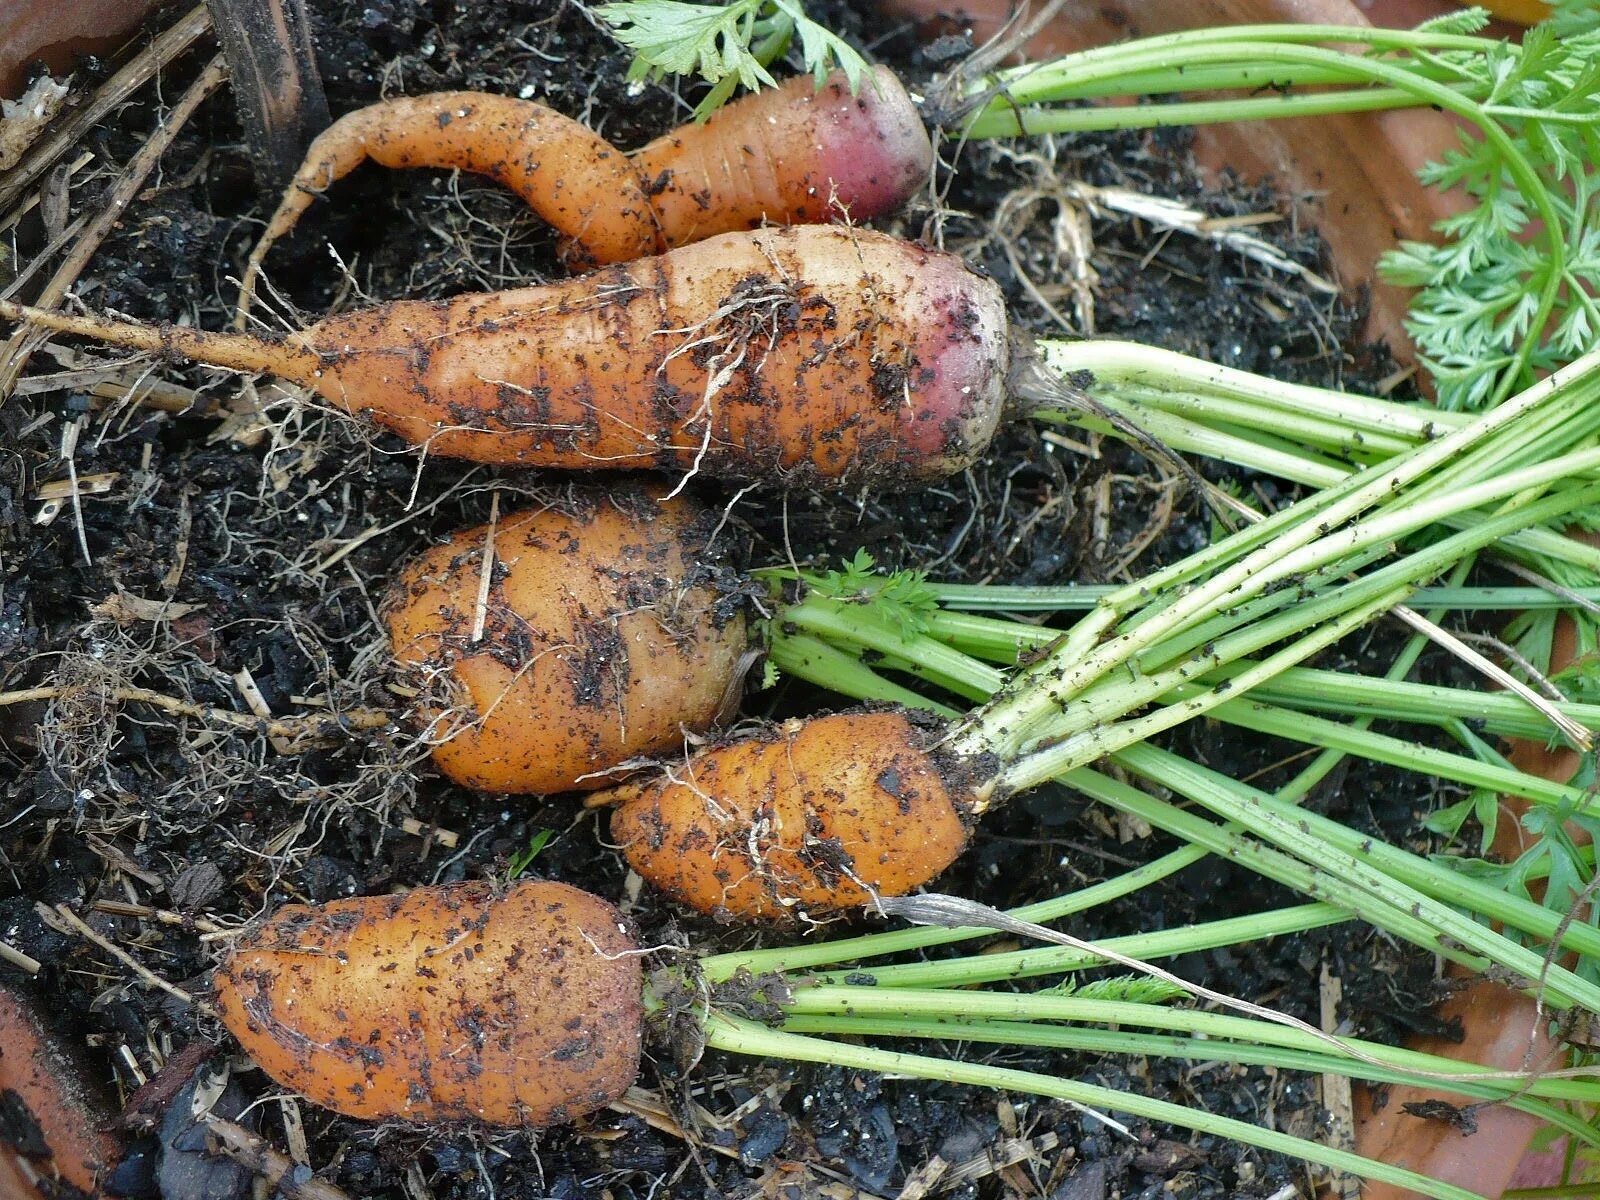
pixel 603 640
pixel 791 155
pixel 812 816
pixel 452 1004
pixel 797 355
pixel 568 174
pixel 46 1090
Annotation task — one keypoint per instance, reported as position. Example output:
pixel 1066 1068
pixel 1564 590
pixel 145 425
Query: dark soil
pixel 250 524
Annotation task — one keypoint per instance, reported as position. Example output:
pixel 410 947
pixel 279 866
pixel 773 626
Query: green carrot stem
pixel 961 599
pixel 1200 1049
pixel 740 1036
pixel 1292 541
pixel 1305 835
pixel 1049 1006
pixel 1253 714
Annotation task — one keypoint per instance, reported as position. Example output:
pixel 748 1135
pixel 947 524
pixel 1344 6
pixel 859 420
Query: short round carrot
pixel 458 1004
pixel 793 154
pixel 809 816
pixel 601 637
pixel 806 354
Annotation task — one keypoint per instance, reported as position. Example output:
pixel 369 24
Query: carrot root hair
pixel 238 351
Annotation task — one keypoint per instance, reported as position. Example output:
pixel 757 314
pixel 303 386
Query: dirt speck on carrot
pixel 454 1004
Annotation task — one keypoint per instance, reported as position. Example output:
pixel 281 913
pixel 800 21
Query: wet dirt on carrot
pixel 250 536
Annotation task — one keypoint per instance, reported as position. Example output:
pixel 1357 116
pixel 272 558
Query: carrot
pixel 812 815
pixel 602 637
pixel 804 355
pixel 56 1141
pixel 568 174
pixel 794 154
pixel 447 1004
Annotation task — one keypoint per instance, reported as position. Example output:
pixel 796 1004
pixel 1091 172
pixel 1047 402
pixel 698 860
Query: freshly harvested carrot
pixel 54 1142
pixel 812 815
pixel 448 1004
pixel 802 355
pixel 795 154
pixel 603 637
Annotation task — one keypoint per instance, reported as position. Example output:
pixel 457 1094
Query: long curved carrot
pixel 807 354
pixel 568 174
pixel 795 154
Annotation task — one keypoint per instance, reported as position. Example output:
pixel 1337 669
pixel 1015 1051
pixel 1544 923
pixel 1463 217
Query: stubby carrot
pixel 794 154
pixel 454 1004
pixel 806 355
pixel 601 636
pixel 809 816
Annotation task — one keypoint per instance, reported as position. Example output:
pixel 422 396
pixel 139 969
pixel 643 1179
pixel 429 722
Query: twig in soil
pixel 290 1178
pixel 20 346
pixel 1164 213
pixel 64 920
pixel 448 838
pixel 110 381
pixel 162 916
pixel 995 1159
pixel 305 726
pixel 649 1108
pixel 1456 644
pixel 1336 1092
pixel 23 962
pixel 140 69
pixel 275 81
pixel 69 455
pixel 114 857
pixel 54 494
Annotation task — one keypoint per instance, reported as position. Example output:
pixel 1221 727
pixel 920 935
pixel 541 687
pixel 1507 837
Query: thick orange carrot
pixel 806 354
pixel 794 154
pixel 602 638
pixel 448 1004
pixel 811 816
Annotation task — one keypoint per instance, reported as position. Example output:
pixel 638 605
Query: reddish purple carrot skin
pixel 793 155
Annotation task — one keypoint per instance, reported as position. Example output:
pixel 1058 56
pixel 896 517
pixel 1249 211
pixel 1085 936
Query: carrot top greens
pixel 1513 285
pixel 727 45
